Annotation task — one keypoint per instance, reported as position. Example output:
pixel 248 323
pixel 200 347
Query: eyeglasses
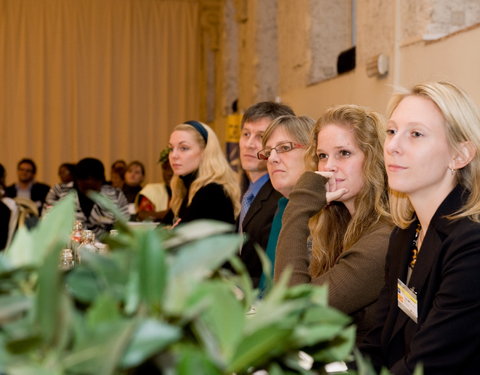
pixel 25 170
pixel 282 147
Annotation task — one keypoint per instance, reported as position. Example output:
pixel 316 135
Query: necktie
pixel 246 202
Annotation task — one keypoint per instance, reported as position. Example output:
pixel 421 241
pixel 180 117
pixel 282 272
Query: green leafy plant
pixel 159 302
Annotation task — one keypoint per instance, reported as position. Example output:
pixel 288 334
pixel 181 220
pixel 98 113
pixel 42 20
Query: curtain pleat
pixel 100 78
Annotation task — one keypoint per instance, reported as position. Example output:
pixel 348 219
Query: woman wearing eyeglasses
pixel 204 186
pixel 284 144
pixel 336 226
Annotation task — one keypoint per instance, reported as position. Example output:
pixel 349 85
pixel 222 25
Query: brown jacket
pixel 358 275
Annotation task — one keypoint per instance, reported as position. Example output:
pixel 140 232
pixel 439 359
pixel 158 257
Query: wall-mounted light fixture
pixel 378 66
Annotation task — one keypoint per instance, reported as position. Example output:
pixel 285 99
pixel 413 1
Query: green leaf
pixel 271 312
pixel 12 306
pixel 418 369
pixel 50 287
pixel 82 283
pixel 32 369
pixel 339 348
pixel 152 269
pixel 266 267
pixel 259 347
pixel 21 251
pixel 104 309
pixel 307 335
pixel 132 296
pixel 242 281
pixel 196 230
pixel 25 344
pixel 150 337
pixel 220 324
pixel 194 262
pixel 54 228
pixel 191 360
pixel 102 352
pixel 325 315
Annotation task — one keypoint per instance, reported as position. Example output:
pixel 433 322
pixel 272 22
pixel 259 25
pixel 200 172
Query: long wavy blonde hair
pixel 462 124
pixel 213 168
pixel 333 229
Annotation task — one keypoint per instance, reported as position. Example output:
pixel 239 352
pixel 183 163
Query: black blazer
pixel 446 279
pixel 257 224
pixel 209 202
pixel 37 194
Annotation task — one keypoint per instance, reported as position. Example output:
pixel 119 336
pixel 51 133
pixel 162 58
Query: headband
pixel 199 128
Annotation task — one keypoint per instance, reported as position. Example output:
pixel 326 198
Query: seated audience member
pixel 90 176
pixel 26 186
pixel 8 214
pixel 117 174
pixel 204 186
pixel 66 172
pixel 134 176
pixel 343 210
pixel 429 309
pixel 260 199
pixel 284 144
pixel 153 200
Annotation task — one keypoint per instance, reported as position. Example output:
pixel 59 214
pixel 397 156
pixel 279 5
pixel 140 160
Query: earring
pixel 452 171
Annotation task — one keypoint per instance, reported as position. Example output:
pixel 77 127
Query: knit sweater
pixel 355 280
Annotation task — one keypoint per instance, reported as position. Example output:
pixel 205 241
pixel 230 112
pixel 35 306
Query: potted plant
pixel 158 302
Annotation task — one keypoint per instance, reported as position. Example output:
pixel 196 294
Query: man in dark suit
pixel 259 201
pixel 26 187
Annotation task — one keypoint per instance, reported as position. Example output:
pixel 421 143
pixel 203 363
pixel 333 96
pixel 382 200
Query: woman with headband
pixel 203 185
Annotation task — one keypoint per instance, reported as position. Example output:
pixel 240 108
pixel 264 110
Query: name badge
pixel 407 300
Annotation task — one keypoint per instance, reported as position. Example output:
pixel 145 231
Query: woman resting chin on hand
pixel 341 207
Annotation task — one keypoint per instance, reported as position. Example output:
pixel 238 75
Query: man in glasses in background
pixel 259 199
pixel 26 187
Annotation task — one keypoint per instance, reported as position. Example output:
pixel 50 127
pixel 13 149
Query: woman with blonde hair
pixel 204 186
pixel 429 309
pixel 336 226
pixel 284 145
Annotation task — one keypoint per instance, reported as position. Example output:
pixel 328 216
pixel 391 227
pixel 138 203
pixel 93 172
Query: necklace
pixel 415 249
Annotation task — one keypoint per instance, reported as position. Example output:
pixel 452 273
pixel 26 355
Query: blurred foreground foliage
pixel 158 302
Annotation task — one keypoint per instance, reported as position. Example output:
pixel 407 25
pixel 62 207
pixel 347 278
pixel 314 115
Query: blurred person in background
pixel 134 177
pixel 26 187
pixel 117 174
pixel 66 172
pixel 90 176
pixel 8 213
pixel 153 201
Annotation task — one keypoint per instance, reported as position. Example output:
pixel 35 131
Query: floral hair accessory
pixel 164 155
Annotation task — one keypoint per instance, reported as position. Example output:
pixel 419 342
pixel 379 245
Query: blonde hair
pixel 213 168
pixel 299 127
pixel 462 124
pixel 333 229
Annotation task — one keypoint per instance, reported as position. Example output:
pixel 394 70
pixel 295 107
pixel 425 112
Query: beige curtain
pixel 101 78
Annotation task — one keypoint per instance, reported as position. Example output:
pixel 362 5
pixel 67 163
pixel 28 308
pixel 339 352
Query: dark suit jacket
pixel 4 224
pixel 446 280
pixel 257 224
pixel 209 202
pixel 38 193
